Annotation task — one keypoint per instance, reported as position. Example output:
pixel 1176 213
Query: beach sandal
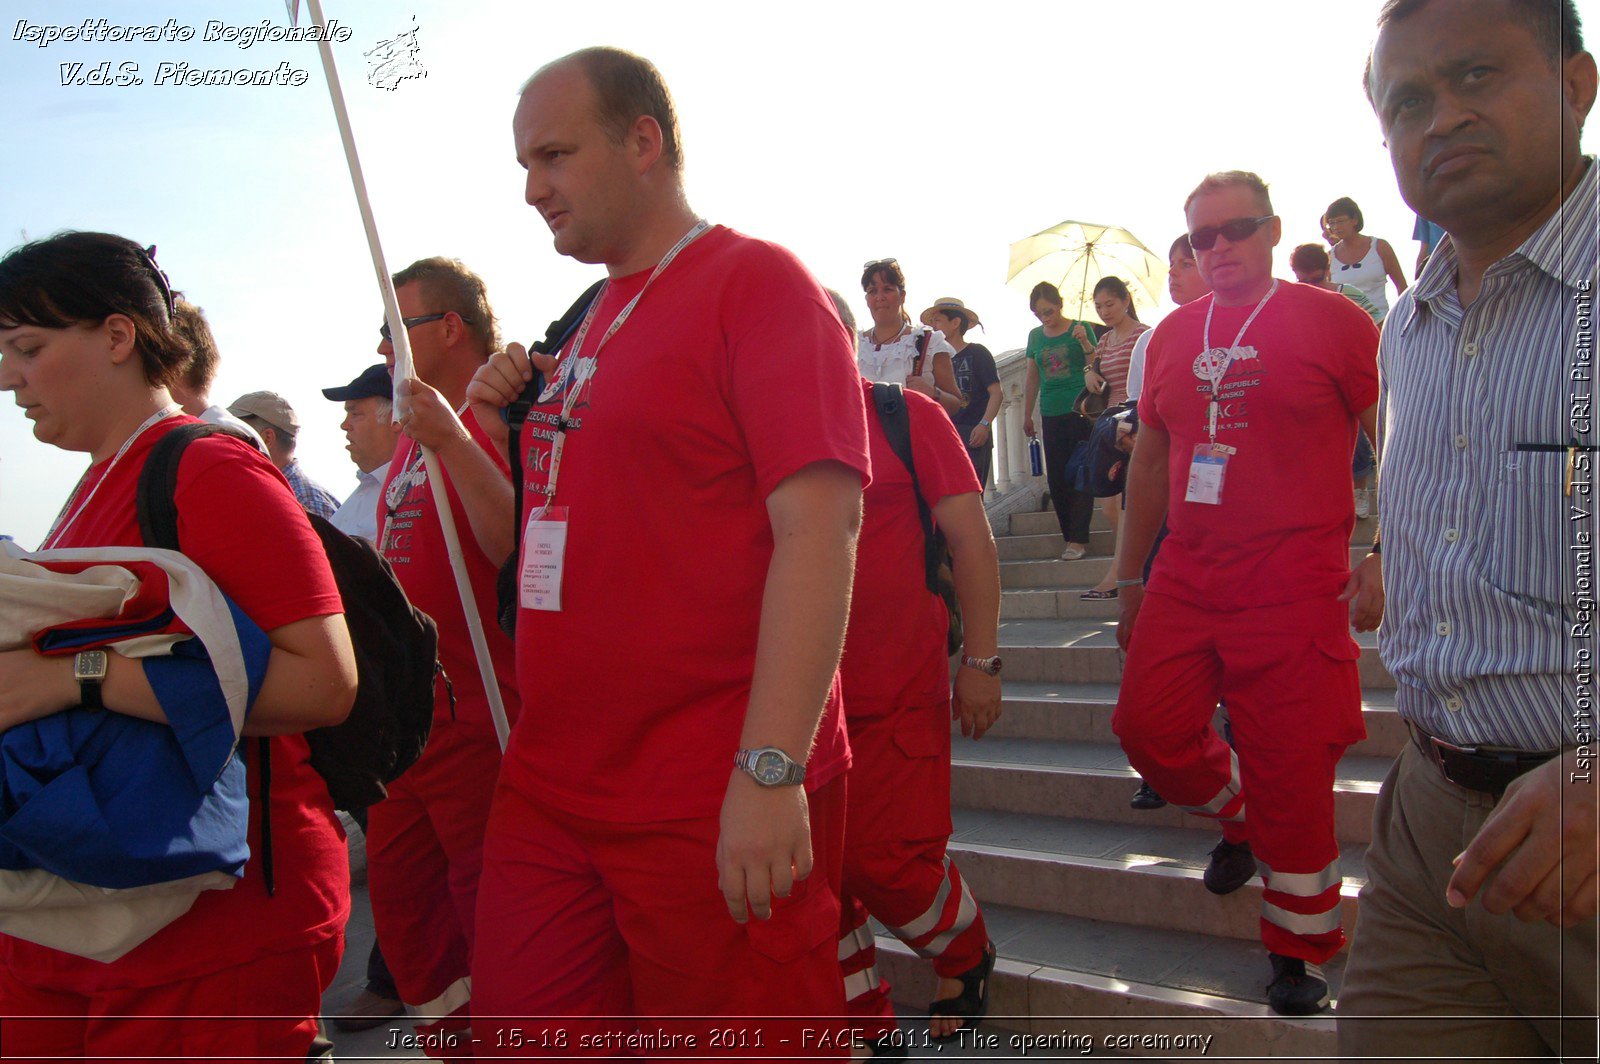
pixel 973 1004
pixel 1096 593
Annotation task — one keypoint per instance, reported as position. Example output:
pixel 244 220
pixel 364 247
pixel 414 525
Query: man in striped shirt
pixel 1488 546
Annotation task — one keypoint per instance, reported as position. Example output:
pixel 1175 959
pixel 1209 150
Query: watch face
pixel 770 768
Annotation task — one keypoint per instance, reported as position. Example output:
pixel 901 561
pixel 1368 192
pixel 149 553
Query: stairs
pixel 1104 928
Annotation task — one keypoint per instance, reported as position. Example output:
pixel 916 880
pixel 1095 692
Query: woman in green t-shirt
pixel 1059 351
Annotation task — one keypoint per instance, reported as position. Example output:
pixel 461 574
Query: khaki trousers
pixel 1426 980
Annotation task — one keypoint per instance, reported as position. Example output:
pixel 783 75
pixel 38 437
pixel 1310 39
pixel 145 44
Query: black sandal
pixel 973 1004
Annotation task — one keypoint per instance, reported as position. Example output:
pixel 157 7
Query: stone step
pixel 1048 547
pixel 1082 713
pixel 1053 650
pixel 1042 522
pixel 1149 876
pixel 1028 603
pixel 1093 781
pixel 1065 977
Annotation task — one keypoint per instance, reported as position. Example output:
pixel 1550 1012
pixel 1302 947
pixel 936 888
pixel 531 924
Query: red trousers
pixel 424 856
pixel 895 866
pixel 621 931
pixel 265 1009
pixel 1288 675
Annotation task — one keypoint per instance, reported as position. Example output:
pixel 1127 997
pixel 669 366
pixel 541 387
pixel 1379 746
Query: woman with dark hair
pixel 87 346
pixel 1113 355
pixel 1058 367
pixel 1361 261
pixel 893 351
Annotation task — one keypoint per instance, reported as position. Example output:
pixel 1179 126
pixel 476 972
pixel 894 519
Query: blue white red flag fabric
pixel 106 802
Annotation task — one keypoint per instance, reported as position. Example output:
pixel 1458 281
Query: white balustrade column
pixel 1000 474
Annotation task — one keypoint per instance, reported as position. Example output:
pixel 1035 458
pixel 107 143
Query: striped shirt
pixel 313 496
pixel 1484 592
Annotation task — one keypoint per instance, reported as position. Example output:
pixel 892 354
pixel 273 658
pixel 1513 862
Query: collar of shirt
pixel 1563 247
pixel 377 476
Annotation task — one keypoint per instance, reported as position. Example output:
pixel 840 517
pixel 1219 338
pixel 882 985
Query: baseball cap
pixel 374 383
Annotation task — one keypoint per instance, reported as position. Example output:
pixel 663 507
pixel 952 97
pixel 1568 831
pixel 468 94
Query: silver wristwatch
pixel 770 767
pixel 987 666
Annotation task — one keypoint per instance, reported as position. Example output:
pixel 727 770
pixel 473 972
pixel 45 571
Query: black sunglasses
pixel 421 319
pixel 1205 238
pixel 880 262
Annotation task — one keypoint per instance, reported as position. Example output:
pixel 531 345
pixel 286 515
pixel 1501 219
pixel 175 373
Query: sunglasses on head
pixel 879 262
pixel 1205 238
pixel 421 319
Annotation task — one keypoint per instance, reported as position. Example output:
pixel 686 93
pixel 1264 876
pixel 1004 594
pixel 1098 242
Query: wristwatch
pixel 987 666
pixel 770 767
pixel 89 669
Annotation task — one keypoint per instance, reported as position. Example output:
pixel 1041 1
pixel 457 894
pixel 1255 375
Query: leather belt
pixel 1488 769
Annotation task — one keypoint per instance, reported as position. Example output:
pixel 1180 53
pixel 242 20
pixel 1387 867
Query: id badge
pixel 544 551
pixel 1207 471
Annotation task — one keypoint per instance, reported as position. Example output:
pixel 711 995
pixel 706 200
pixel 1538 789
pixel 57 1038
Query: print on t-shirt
pixel 1243 371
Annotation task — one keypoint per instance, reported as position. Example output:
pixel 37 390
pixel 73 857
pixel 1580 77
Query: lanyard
pixel 576 372
pixel 400 484
pixel 62 521
pixel 1215 369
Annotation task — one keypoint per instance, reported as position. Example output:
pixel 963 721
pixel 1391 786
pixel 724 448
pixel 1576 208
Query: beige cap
pixel 947 304
pixel 270 407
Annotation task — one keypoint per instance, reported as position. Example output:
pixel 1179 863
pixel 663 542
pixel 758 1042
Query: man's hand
pixel 917 384
pixel 977 701
pixel 763 847
pixel 428 419
pixel 1129 599
pixel 1364 592
pixel 979 437
pixel 1539 845
pixel 497 384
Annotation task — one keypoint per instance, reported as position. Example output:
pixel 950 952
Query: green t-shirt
pixel 1060 360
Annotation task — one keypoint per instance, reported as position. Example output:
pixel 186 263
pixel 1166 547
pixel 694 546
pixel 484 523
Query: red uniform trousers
pixel 1288 674
pixel 209 1017
pixel 424 856
pixel 895 866
pixel 621 927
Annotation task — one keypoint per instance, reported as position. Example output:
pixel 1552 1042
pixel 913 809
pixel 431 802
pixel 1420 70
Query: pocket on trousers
pixel 1338 690
pixel 923 732
pixel 799 924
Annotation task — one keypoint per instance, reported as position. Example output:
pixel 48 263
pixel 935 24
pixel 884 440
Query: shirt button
pixel 1443 628
pixel 1451 535
pixel 1453 704
pixel 1469 349
pixel 1461 442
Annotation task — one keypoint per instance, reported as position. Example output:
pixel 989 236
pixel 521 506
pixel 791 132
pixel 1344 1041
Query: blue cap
pixel 374 383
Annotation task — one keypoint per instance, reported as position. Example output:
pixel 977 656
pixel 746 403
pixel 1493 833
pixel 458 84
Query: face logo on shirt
pixel 402 485
pixel 569 374
pixel 1211 365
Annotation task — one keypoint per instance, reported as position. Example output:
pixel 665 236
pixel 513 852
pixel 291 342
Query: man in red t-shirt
pixel 694 466
pixel 896 677
pixel 1247 424
pixel 425 840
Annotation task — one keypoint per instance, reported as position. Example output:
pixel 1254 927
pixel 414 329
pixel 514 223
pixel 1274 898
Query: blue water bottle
pixel 1036 456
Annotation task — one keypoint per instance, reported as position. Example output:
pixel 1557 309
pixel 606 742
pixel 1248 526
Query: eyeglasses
pixel 879 262
pixel 1205 238
pixel 421 319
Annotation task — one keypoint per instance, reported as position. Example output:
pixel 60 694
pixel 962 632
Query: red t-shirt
pixel 238 520
pixel 1307 368
pixel 732 373
pixel 412 540
pixel 894 650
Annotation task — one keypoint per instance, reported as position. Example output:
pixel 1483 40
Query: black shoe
pixel 1297 988
pixel 1146 797
pixel 1231 867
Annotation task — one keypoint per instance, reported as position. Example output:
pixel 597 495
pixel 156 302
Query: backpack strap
pixel 895 418
pixel 517 411
pixel 158 527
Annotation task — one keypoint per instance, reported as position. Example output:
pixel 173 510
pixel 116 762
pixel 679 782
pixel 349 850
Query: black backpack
pixel 396 648
pixel 936 565
pixel 506 597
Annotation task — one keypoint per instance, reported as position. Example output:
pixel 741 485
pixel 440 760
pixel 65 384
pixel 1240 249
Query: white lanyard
pixel 59 528
pixel 1215 369
pixel 577 372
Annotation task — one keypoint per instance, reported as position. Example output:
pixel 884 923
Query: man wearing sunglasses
pixel 1247 423
pixel 425 840
pixel 1478 917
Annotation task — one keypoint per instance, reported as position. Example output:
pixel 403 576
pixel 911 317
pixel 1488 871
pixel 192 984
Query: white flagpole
pixel 402 371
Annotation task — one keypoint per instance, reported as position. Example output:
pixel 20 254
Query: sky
pixel 937 133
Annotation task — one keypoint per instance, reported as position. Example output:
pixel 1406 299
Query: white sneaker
pixel 1363 503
